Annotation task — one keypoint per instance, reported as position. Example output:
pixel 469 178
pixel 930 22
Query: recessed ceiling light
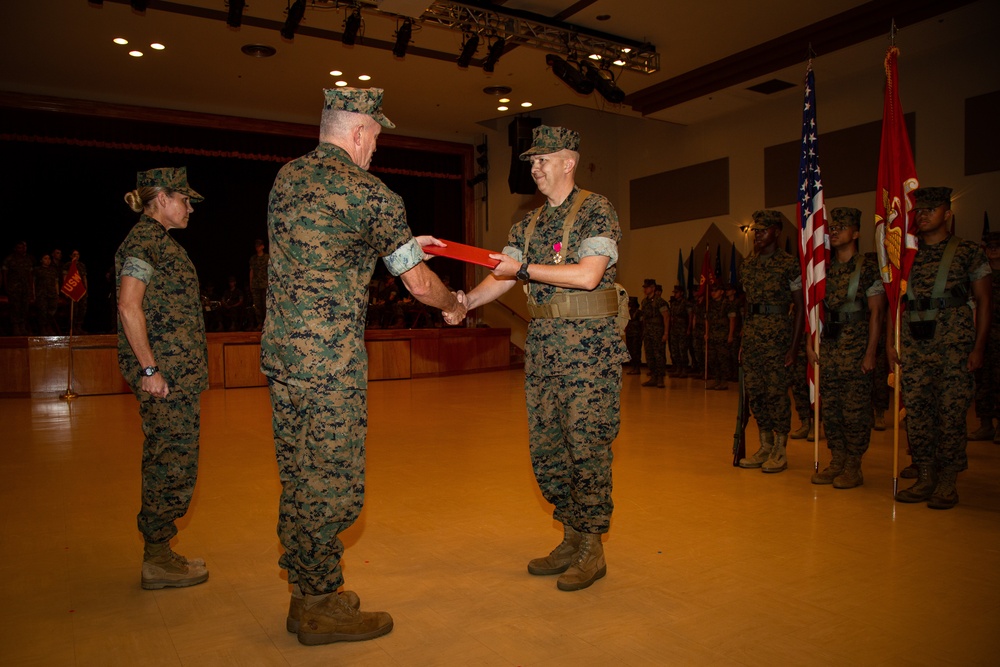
pixel 135 54
pixel 626 49
pixel 503 100
pixel 335 72
pixel 501 108
pixel 619 63
pixel 363 77
pixel 497 90
pixel 120 40
pixel 157 46
pixel 526 104
pixel 341 83
pixel 258 50
pixel 594 56
pixel 603 17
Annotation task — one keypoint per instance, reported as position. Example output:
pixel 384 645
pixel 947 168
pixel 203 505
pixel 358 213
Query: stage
pixel 39 366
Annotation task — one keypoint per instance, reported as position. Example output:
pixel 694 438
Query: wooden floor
pixel 707 564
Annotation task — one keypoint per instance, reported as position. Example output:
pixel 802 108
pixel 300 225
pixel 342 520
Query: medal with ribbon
pixel 556 257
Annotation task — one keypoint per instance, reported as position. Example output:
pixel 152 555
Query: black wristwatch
pixel 150 371
pixel 522 273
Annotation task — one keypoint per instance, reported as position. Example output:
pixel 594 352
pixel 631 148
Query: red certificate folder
pixel 465 253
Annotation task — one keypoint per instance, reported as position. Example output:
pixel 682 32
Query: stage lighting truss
pixel 519 28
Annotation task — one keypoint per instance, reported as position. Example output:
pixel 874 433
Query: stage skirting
pixel 38 366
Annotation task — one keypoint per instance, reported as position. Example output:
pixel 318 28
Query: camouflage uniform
pixel 573 371
pixel 720 313
pixel 937 389
pixel 679 341
pixel 769 282
pixel 176 332
pixel 652 335
pixel 697 337
pixel 798 383
pixel 847 412
pixel 18 278
pixel 258 285
pixel 329 220
pixel 46 298
pixel 633 338
pixel 988 377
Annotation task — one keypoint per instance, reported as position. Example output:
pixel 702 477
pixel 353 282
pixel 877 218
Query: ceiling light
pixel 295 14
pixel 503 100
pixel 335 72
pixel 135 54
pixel 258 50
pixel 594 56
pixel 340 84
pixel 501 108
pixel 403 34
pixel 619 63
pixel 570 74
pixel 604 82
pixel 493 56
pixel 156 46
pixel 525 104
pixel 363 77
pixel 120 40
pixel 468 50
pixel 351 26
pixel 235 18
pixel 138 5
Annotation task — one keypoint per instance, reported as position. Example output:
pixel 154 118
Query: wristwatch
pixel 150 371
pixel 522 273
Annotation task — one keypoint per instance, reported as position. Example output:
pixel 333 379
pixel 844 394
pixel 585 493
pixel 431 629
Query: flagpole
pixel 69 394
pixel 895 394
pixel 815 342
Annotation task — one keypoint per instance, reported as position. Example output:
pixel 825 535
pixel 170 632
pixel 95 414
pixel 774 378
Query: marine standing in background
pixel 988 377
pixel 721 334
pixel 633 335
pixel 47 296
pixel 329 221
pixel 854 310
pixel 679 333
pixel 772 281
pixel 565 253
pixel 654 323
pixel 19 282
pixel 163 355
pixel 258 282
pixel 940 347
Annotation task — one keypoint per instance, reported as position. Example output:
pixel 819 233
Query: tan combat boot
pixel 762 454
pixel 923 488
pixel 559 559
pixel 851 477
pixel 985 430
pixel 802 431
pixel 298 601
pixel 329 618
pixel 777 462
pixel 162 568
pixel 945 494
pixel 587 567
pixel 831 471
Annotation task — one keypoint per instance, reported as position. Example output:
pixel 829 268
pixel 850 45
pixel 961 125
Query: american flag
pixel 812 222
pixel 895 241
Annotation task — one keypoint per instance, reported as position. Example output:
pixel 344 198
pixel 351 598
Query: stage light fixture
pixel 468 50
pixel 604 82
pixel 403 34
pixel 352 24
pixel 476 180
pixel 570 74
pixel 235 18
pixel 295 14
pixel 493 55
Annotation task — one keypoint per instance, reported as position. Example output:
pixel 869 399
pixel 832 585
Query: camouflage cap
pixel 545 140
pixel 649 282
pixel 846 216
pixel 367 101
pixel 171 178
pixel 766 218
pixel 931 197
pixel 991 238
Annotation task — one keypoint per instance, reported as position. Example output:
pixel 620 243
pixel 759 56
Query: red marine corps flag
pixel 812 224
pixel 897 179
pixel 73 286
